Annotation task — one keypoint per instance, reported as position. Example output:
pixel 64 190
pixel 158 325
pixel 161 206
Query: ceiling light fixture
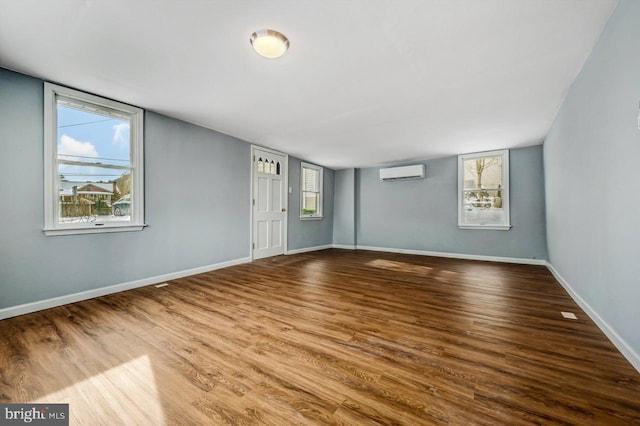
pixel 269 43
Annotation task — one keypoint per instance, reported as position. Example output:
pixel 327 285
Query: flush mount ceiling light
pixel 269 43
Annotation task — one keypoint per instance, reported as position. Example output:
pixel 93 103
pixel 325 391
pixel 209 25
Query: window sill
pixel 311 217
pixel 96 230
pixel 486 227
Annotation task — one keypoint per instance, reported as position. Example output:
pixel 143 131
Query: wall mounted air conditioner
pixel 416 171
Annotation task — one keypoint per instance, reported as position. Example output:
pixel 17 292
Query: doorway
pixel 269 180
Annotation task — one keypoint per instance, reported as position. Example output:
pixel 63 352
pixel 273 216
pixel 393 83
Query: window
pixel 93 163
pixel 483 191
pixel 268 167
pixel 311 191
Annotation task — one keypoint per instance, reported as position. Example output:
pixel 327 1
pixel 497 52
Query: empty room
pixel 418 212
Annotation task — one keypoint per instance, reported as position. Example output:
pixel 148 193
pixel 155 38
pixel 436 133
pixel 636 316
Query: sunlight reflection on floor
pixel 125 394
pixel 400 266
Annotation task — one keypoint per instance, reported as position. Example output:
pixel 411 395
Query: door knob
pixel 283 209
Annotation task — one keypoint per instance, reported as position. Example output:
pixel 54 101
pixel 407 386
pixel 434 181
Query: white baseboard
pixel 28 308
pixel 627 351
pixel 308 249
pixel 344 246
pixel 457 255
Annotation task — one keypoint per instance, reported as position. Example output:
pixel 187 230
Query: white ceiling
pixel 365 82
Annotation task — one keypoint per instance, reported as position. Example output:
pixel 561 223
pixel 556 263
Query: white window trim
pixel 136 115
pixel 505 190
pixel 320 170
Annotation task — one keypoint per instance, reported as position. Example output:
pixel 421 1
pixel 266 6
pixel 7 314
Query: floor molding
pixel 457 255
pixel 344 246
pixel 625 349
pixel 27 308
pixel 308 249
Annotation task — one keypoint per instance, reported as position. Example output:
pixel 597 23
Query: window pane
pixel 85 197
pixel 310 202
pixel 485 172
pixel 91 137
pixel 310 180
pixel 483 191
pixel 94 166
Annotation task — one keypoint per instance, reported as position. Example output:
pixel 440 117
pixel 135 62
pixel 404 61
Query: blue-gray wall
pixel 344 219
pixel 309 232
pixel 197 185
pixel 423 214
pixel 592 172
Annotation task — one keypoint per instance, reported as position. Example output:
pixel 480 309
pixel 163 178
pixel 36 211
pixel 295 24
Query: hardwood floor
pixel 331 337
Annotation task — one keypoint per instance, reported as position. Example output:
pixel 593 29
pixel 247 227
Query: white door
pixel 269 203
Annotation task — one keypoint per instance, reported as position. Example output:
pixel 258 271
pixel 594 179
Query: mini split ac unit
pixel 416 171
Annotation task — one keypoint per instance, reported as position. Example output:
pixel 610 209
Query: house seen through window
pixel 93 150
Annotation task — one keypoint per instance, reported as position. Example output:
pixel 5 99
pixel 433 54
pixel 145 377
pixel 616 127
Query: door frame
pixel 286 195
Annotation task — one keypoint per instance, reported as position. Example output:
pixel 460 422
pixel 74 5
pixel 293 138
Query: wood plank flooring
pixel 330 337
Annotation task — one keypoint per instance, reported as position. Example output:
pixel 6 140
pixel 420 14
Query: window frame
pixel 320 170
pixel 52 225
pixel 506 225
